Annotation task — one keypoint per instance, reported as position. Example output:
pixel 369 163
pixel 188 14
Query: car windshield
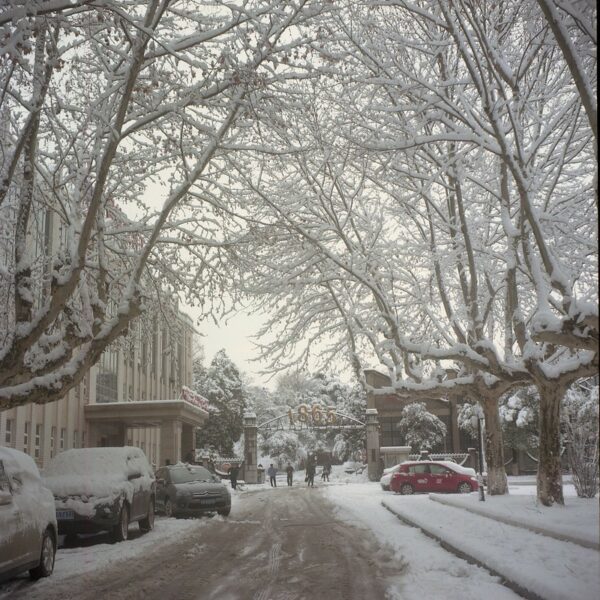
pixel 189 474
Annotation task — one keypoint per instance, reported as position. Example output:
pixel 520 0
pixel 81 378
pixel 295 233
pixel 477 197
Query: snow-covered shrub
pixel 580 435
pixel 421 429
pixel 519 414
pixel 281 445
pixel 466 412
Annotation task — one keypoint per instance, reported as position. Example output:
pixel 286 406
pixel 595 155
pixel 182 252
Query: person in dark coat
pixel 233 475
pixel 310 474
pixel 272 473
pixel 290 473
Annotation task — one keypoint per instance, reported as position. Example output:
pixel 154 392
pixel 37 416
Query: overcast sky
pixel 234 335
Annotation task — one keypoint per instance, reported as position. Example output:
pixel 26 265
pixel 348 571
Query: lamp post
pixel 478 415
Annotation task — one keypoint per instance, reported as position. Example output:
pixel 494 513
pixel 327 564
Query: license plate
pixel 64 515
pixel 207 501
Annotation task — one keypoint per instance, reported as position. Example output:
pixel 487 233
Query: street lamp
pixel 476 420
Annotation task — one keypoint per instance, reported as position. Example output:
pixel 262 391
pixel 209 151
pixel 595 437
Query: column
pixel 250 448
pixel 373 468
pixel 170 442
pixel 188 440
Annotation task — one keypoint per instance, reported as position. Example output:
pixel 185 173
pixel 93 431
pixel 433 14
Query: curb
pixel 505 581
pixel 562 537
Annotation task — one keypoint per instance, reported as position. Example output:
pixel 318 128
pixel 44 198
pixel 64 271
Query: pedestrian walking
pixel 290 473
pixel 234 471
pixel 272 473
pixel 326 472
pixel 310 474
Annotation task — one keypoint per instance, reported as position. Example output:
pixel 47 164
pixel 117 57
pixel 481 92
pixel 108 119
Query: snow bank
pixel 571 522
pixel 546 567
pixel 430 571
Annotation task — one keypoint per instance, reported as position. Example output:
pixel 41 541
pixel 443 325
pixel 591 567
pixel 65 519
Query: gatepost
pixel 250 448
pixel 372 444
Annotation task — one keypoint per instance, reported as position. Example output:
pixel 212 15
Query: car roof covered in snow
pixel 15 462
pixel 84 461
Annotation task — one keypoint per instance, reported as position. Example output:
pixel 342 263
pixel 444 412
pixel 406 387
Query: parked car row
pixel 429 476
pixel 89 490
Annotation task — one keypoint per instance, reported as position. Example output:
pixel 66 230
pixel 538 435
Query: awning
pixel 149 413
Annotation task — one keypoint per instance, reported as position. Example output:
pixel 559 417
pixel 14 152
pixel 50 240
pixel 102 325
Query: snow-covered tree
pixel 441 222
pixel 283 446
pixel 580 435
pixel 222 387
pixel 466 419
pixel 113 119
pixel 519 413
pixel 421 429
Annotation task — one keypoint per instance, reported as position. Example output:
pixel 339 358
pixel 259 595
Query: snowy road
pixel 281 544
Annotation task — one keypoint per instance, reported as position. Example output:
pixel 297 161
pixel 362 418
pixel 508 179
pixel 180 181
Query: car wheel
pixel 224 512
pixel 147 524
pixel 46 566
pixel 464 488
pixel 406 489
pixel 121 529
pixel 169 508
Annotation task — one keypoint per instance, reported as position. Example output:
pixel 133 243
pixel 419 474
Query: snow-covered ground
pixel 569 522
pixel 543 565
pixel 430 571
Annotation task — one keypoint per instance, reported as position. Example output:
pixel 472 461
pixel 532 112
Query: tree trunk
pixel 549 475
pixel 494 448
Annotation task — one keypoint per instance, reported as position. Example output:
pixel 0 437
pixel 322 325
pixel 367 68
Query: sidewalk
pixel 571 523
pixel 534 565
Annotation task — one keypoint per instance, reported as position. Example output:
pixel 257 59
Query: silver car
pixel 28 532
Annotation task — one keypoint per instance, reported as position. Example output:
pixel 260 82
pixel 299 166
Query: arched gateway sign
pixel 310 417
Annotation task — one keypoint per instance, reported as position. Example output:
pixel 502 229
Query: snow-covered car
pixel 351 466
pixel 28 531
pixel 102 489
pixel 433 476
pixel 184 490
pixel 386 478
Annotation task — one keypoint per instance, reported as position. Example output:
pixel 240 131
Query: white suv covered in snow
pixel 28 532
pixel 102 489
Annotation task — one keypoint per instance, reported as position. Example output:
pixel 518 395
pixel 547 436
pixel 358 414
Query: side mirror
pixel 133 476
pixel 5 498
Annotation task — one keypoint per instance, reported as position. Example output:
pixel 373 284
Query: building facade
pixel 389 409
pixel 133 396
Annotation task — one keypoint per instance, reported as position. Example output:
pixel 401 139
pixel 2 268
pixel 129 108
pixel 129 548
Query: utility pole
pixel 478 415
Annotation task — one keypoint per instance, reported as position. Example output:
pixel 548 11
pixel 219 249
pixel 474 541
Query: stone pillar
pixel 188 440
pixel 373 468
pixel 250 448
pixel 170 442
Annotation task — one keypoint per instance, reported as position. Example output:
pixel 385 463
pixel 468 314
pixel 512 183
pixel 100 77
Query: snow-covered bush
pixel 465 415
pixel 281 445
pixel 519 414
pixel 421 429
pixel 580 431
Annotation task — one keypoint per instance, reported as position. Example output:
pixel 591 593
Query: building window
pixel 106 380
pixel 143 447
pixel 8 432
pixel 38 440
pixel 390 436
pixel 83 439
pixel 26 438
pixel 63 433
pixel 52 438
pixel 76 439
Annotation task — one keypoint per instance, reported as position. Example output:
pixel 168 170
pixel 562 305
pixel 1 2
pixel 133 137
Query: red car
pixel 431 476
